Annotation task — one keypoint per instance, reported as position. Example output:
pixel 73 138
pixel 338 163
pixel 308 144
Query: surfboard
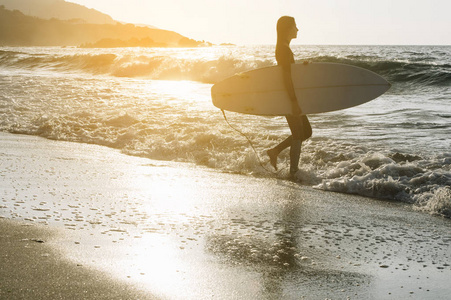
pixel 319 87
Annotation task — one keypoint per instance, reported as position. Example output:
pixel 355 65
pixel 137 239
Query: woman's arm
pixel 288 82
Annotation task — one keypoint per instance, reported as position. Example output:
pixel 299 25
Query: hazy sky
pixel 345 22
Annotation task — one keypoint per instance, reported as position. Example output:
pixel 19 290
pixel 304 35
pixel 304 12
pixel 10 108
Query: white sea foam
pixel 438 201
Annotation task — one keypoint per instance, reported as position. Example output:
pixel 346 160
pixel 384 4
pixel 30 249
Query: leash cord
pixel 250 143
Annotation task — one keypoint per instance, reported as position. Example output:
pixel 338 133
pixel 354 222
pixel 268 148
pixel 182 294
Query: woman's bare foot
pixel 272 157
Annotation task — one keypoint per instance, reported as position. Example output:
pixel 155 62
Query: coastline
pixel 179 231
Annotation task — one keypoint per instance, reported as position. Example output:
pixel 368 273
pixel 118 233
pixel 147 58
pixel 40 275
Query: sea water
pixel 155 103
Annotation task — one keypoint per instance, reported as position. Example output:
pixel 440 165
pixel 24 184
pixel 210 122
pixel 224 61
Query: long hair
pixel 283 26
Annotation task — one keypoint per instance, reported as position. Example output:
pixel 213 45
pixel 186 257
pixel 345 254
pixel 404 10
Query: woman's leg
pixel 293 141
pixel 274 152
pixel 295 153
pixel 295 123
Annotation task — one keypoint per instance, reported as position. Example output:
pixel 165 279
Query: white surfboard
pixel 320 87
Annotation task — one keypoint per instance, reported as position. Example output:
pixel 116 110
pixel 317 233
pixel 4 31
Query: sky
pixel 321 22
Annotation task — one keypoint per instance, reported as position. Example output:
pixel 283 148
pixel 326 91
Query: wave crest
pixel 212 70
pixel 398 71
pixel 146 66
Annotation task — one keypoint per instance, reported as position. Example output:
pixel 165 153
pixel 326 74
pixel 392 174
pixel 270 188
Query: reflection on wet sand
pixel 182 231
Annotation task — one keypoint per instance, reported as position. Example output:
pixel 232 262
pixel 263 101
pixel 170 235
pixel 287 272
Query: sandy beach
pixel 32 270
pixel 85 221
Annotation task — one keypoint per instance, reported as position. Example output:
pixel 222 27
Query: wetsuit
pixel 299 125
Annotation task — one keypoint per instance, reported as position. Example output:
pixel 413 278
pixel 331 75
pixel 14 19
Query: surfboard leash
pixel 250 143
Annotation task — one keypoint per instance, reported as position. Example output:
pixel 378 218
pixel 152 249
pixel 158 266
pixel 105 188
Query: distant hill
pixel 58 9
pixel 17 29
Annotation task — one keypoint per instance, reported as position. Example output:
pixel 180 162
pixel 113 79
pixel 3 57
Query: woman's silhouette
pixel 298 123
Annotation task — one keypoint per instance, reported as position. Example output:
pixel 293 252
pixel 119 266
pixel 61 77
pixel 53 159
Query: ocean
pixel 155 103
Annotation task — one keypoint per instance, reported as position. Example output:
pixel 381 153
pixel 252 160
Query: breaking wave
pixel 409 68
pixel 419 73
pixel 144 66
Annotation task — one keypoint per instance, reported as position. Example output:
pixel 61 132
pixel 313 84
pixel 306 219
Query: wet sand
pixel 178 231
pixel 30 269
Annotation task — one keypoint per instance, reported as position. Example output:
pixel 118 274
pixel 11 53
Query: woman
pixel 298 123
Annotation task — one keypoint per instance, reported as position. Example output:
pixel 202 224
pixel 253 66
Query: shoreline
pixel 180 231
